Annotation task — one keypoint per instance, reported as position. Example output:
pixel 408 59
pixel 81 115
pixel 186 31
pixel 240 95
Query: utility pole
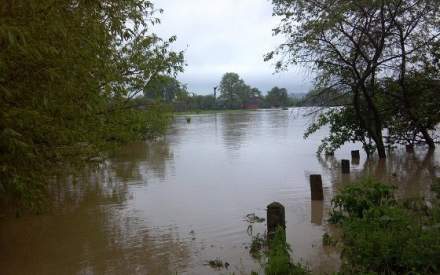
pixel 215 95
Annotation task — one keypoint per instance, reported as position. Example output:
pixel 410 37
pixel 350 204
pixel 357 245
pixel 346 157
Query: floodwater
pixel 169 206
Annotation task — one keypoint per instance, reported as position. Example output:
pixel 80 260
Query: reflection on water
pixel 171 205
pixel 317 212
pixel 139 161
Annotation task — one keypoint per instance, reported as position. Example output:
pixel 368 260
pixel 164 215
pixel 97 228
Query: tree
pixel 344 127
pixel 352 44
pixel 232 90
pixel 69 72
pixel 203 102
pixel 163 88
pixel 277 97
pixel 412 123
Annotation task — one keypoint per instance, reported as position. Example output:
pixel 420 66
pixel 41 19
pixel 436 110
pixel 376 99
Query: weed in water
pixel 384 236
pixel 216 264
pixel 328 240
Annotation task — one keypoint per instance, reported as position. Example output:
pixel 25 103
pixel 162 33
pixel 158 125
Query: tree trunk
pixel 381 150
pixel 428 138
pixel 378 140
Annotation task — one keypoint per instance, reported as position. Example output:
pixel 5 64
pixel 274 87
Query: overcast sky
pixel 221 36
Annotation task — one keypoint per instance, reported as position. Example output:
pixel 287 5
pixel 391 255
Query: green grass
pixel 278 257
pixel 382 235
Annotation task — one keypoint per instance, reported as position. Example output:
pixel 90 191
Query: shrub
pixel 382 235
pixel 279 262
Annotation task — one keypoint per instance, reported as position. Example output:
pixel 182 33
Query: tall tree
pixel 164 88
pixel 350 44
pixel 277 97
pixel 232 90
pixel 68 73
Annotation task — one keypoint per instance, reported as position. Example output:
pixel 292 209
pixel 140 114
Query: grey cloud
pixel 221 36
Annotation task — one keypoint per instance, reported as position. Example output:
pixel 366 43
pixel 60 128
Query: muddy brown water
pixel 169 206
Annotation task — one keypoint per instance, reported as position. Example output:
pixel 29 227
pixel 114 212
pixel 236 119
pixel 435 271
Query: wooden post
pixel 345 164
pixel 275 217
pixel 355 157
pixel 355 154
pixel 316 188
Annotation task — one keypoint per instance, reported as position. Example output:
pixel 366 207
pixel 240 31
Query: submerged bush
pixel 385 236
pixel 357 198
pixel 279 262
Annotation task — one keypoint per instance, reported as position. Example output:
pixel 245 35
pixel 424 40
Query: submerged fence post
pixel 355 154
pixel 316 188
pixel 275 217
pixel 355 157
pixel 345 164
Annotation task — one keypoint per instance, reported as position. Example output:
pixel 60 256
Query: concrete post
pixel 345 164
pixel 316 188
pixel 275 217
pixel 355 154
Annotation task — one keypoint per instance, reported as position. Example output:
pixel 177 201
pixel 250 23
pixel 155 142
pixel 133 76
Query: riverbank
pixel 202 112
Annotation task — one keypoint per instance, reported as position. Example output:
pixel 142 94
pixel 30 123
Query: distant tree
pixel 163 88
pixel 255 92
pixel 203 102
pixel 277 97
pixel 233 91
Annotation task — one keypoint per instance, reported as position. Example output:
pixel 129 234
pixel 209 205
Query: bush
pixel 382 235
pixel 279 262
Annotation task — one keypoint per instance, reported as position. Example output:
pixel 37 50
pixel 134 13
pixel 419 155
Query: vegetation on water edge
pixel 383 235
pixel 232 93
pixel 377 60
pixel 273 254
pixel 69 73
pixel 278 257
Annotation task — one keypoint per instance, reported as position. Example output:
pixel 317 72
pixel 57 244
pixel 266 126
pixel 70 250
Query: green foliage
pixel 435 188
pixel 164 88
pixel 69 73
pixel 233 91
pixel 421 93
pixel 383 236
pixel 279 262
pixel 328 240
pixel 325 98
pixel 257 245
pixel 358 198
pixel 216 264
pixel 277 97
pixel 344 127
pixel 353 47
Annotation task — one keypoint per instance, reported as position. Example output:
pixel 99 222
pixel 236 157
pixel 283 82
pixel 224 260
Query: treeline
pixel 231 93
pixel 377 60
pixel 69 71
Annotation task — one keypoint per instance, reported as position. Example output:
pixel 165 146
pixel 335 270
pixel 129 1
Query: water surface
pixel 169 206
